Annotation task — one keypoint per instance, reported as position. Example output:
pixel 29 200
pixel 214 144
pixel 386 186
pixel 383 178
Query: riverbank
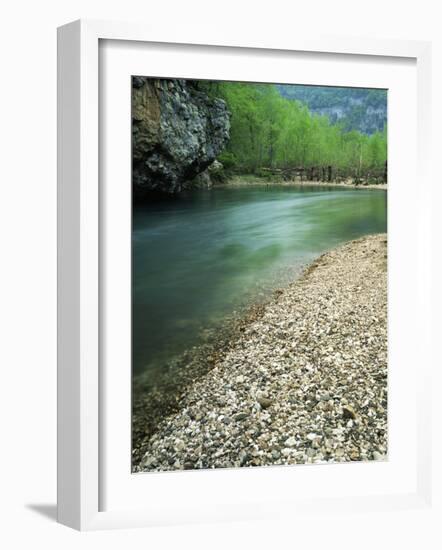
pixel 252 180
pixel 306 380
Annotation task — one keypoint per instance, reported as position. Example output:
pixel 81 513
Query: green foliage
pixel 228 160
pixel 271 131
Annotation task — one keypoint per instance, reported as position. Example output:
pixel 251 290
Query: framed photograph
pixel 244 277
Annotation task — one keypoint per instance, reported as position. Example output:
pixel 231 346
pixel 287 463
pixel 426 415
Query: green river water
pixel 205 254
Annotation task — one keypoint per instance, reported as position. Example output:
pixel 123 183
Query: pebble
pixel 179 445
pixel 348 412
pixel 305 380
pixel 264 402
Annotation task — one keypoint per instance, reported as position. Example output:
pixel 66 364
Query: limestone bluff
pixel 177 133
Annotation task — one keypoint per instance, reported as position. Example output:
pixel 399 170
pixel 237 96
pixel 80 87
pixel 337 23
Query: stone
pixel 244 457
pixel 264 402
pixel 348 412
pixel 202 180
pixel 179 445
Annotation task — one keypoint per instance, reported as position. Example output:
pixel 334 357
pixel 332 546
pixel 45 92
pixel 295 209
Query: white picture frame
pixel 80 393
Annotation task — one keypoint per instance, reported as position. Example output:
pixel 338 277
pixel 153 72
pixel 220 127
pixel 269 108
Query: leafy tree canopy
pixel 269 130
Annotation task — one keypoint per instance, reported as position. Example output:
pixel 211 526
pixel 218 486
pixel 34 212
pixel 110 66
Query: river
pixel 206 254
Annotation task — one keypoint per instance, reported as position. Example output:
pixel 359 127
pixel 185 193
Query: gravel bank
pixel 306 381
pixel 244 181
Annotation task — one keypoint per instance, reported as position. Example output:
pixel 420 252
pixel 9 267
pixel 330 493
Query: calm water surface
pixel 206 254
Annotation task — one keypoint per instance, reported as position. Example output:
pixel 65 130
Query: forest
pixel 273 134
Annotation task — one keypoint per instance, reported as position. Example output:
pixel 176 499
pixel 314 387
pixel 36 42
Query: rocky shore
pixel 305 381
pixel 250 181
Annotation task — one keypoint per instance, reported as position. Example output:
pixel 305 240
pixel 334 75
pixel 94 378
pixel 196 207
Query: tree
pixel 271 131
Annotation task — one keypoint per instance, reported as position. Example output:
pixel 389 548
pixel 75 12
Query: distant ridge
pixel 360 109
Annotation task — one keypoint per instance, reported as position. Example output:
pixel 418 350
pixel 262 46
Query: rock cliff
pixel 177 132
pixel 361 109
